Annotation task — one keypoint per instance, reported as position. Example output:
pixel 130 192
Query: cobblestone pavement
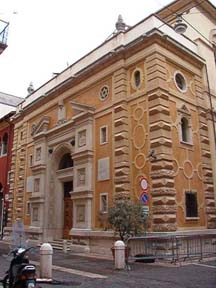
pixel 187 275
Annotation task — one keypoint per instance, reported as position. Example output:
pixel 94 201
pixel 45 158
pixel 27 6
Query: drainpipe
pixel 2 215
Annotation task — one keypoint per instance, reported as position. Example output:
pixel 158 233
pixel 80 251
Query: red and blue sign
pixel 144 184
pixel 144 198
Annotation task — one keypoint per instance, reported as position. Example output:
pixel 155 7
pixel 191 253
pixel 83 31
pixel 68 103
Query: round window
pixel 104 92
pixel 180 82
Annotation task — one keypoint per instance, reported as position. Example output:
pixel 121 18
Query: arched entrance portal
pixel 61 216
pixel 66 163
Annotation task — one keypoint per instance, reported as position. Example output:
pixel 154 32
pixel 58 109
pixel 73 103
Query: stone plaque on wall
pixel 29 184
pixel 103 169
pixel 82 138
pixel 80 213
pixel 35 214
pixel 38 154
pixel 81 177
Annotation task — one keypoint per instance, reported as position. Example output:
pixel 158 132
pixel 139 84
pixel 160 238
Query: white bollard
pixel 119 247
pixel 65 246
pixel 46 252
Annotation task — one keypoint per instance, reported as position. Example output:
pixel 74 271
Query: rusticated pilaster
pixel 163 192
pixel 206 154
pixel 207 170
pixel 121 143
pixel 17 177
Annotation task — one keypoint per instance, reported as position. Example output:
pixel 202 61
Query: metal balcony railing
pixel 3 32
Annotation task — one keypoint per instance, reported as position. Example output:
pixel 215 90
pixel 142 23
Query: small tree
pixel 126 218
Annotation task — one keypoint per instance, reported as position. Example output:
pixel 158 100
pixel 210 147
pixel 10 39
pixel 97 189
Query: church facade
pixel 134 108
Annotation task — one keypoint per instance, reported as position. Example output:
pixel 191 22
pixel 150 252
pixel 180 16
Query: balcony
pixel 3 35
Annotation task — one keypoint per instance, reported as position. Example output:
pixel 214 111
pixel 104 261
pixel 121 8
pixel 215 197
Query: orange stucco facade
pixel 119 120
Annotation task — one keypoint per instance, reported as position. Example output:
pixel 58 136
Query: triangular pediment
pixel 80 109
pixel 184 109
pixel 41 126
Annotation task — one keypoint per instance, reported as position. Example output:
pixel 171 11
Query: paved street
pixel 73 270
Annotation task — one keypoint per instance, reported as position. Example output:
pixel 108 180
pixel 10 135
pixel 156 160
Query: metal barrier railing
pixel 175 247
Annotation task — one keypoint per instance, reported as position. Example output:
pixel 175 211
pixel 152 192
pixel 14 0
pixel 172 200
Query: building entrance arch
pixel 60 194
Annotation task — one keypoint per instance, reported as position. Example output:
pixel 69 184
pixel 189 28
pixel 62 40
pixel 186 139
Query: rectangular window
pixel 30 160
pixel 21 135
pixel 191 204
pixel 103 202
pixel 28 208
pixel 103 135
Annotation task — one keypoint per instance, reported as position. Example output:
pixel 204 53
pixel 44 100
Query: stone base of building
pixel 89 241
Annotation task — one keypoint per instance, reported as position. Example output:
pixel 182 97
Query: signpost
pixel 146 211
pixel 144 198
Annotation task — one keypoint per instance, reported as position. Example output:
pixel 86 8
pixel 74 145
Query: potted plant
pixel 126 219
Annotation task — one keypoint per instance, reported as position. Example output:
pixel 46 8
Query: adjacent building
pixel 138 107
pixel 200 18
pixel 8 105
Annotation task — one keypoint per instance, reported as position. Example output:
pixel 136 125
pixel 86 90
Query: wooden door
pixel 68 209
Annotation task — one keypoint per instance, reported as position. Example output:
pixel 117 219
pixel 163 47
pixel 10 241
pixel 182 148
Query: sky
pixel 45 36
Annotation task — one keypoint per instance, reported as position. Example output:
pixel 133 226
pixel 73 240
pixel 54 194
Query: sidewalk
pixel 90 271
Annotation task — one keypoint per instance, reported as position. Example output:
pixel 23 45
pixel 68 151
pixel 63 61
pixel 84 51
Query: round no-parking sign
pixel 144 183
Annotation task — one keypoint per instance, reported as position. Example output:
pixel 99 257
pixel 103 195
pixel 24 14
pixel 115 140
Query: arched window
pixel 137 78
pixel 185 130
pixel 66 161
pixel 5 144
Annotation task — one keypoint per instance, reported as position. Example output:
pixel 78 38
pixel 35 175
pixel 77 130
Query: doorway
pixel 68 209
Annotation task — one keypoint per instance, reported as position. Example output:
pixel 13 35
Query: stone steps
pixel 58 244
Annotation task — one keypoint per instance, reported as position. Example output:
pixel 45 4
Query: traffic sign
pixel 144 198
pixel 144 183
pixel 145 210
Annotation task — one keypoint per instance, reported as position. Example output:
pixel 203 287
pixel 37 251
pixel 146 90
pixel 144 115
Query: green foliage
pixel 126 218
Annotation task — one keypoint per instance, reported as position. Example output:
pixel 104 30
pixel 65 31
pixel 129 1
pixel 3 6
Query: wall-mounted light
pixel 50 150
pixel 179 26
pixel 72 142
pixel 152 155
